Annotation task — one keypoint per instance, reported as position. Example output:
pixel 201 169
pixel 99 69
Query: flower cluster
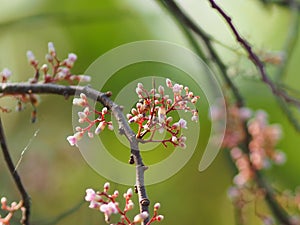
pixel 56 70
pixel 11 209
pixel 100 121
pixel 152 112
pixel 245 126
pixel 107 204
pixel 262 144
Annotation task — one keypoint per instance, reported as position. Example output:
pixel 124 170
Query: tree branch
pixel 184 20
pixel 254 58
pixel 16 177
pixel 66 91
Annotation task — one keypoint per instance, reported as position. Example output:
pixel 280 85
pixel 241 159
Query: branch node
pixel 145 202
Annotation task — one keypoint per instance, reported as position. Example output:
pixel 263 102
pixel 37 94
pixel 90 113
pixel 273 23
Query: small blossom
pixel 100 127
pixel 182 123
pixel 84 78
pixel 51 49
pixel 140 217
pixel 161 90
pixel 5 73
pixel 75 138
pixel 177 88
pixel 129 193
pixel 169 83
pixel 161 114
pixel 72 57
pixel 174 139
pixel 140 85
pixel 159 217
pixel 91 195
pixel 110 126
pixel 108 209
pixel 106 186
pixel 30 56
pixel 156 206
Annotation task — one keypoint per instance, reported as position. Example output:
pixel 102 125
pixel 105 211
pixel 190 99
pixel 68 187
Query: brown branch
pixel 124 128
pixel 185 20
pixel 16 177
pixel 254 58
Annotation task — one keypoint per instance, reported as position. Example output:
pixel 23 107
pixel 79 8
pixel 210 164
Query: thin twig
pixel 185 20
pixel 254 58
pixel 66 91
pixel 16 177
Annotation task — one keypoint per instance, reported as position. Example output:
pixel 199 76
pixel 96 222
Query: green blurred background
pixel 56 175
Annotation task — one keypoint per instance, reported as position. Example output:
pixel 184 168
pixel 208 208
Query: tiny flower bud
pixel 104 110
pixel 159 217
pixel 169 83
pixel 106 186
pixel 140 217
pixel 5 73
pixel 129 193
pixel 30 56
pixel 72 57
pixel 110 126
pixel 130 205
pixel 84 78
pixel 3 200
pixel 100 127
pixel 44 68
pixel 139 91
pixel 161 90
pixel 156 206
pixel 51 49
pixel 140 85
pixel 161 114
pixel 174 139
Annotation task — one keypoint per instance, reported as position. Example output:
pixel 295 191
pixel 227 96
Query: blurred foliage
pixel 55 174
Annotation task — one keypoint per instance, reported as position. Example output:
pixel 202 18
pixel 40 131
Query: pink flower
pixel 177 88
pixel 161 114
pixel 91 195
pixel 51 49
pixel 5 73
pixel 169 83
pixel 108 209
pixel 140 217
pixel 182 123
pixel 100 128
pixel 75 138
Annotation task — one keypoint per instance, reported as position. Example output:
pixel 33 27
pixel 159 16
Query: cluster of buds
pixel 107 204
pixel 10 209
pixel 261 154
pixel 262 145
pixel 100 122
pixel 152 112
pixel 56 70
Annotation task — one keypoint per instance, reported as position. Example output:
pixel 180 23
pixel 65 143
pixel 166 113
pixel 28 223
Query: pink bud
pixel 140 217
pixel 169 83
pixel 159 217
pixel 106 186
pixel 51 49
pixel 156 206
pixel 129 193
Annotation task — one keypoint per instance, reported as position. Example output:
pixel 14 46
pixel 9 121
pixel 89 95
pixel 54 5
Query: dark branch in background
pixel 255 59
pixel 16 177
pixel 287 50
pixel 185 21
pixel 66 91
